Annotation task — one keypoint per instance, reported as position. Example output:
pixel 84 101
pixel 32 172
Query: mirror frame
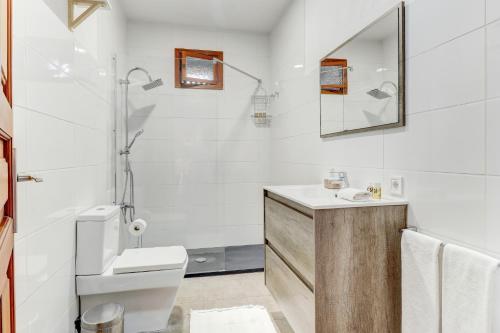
pixel 401 75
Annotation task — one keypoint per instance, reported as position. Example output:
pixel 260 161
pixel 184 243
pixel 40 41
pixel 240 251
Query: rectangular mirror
pixel 362 81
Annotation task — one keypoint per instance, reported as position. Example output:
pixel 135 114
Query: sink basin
pixel 318 197
pixel 307 191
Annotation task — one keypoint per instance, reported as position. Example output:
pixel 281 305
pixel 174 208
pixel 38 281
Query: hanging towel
pixel 353 194
pixel 469 280
pixel 420 278
pixel 496 304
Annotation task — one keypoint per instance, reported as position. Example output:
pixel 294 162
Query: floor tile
pixel 223 292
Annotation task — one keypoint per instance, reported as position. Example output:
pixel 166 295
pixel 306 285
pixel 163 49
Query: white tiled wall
pixel 62 122
pixel 200 165
pixel 448 153
pixel 201 162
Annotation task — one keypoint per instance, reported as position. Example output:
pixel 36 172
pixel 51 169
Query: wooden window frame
pixel 180 69
pixel 336 89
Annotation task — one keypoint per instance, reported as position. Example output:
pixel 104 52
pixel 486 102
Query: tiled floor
pixel 226 259
pixel 223 292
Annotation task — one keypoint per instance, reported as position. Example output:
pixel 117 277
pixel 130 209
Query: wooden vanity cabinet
pixel 335 270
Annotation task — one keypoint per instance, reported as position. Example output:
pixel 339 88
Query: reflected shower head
pixel 378 94
pixel 152 84
pixel 381 94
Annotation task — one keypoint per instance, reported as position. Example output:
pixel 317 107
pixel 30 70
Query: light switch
pixel 397 186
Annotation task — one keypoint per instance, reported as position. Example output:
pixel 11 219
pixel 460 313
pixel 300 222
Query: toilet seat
pixel 150 259
pixel 166 268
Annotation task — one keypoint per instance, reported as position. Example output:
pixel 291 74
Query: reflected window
pixel 334 76
pixel 196 69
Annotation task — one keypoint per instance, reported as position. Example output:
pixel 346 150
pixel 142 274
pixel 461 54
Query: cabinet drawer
pixel 291 234
pixel 292 295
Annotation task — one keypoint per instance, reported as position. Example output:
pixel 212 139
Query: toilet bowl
pixel 145 281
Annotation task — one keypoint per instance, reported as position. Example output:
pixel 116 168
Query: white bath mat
pixel 244 319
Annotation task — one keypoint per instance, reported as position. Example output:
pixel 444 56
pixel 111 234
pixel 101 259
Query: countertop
pixel 318 197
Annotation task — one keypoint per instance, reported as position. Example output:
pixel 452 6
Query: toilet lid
pixel 150 259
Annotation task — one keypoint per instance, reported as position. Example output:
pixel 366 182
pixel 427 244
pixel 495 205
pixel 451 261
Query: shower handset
pixel 138 134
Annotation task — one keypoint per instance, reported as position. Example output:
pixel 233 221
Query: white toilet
pixel 145 281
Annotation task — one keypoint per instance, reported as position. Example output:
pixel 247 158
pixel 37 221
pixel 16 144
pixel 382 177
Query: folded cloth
pixel 420 279
pixel 353 194
pixel 468 291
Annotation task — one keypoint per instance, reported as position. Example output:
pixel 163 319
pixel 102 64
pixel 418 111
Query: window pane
pixel 199 69
pixel 331 75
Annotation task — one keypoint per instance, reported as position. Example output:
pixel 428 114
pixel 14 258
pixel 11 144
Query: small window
pixel 334 76
pixel 196 69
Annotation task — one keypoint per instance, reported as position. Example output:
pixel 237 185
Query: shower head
pixel 152 84
pixel 383 94
pixel 148 86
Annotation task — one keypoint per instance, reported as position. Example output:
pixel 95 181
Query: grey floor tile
pixel 244 257
pixel 229 259
pixel 214 261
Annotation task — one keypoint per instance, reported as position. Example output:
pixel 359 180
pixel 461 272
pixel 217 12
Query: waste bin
pixel 104 318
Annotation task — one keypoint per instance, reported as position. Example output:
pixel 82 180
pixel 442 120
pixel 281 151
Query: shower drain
pixel 201 260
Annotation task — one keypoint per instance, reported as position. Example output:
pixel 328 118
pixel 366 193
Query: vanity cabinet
pixel 334 268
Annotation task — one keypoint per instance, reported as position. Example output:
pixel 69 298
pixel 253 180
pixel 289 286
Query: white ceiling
pixel 246 15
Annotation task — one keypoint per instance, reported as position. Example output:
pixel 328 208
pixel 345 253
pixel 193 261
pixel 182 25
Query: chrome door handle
pixel 29 178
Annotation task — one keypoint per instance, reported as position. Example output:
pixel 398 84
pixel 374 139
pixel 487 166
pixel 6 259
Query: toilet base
pixel 145 310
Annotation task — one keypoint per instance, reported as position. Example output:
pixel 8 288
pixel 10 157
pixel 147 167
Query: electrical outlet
pixel 397 186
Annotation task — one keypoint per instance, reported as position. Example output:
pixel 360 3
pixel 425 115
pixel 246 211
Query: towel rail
pixel 443 244
pixel 415 229
pixel 411 228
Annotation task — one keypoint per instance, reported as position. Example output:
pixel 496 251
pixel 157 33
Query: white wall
pixel 201 162
pixel 62 121
pixel 449 152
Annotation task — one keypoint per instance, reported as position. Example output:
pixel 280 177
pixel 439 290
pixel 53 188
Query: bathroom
pixel 211 164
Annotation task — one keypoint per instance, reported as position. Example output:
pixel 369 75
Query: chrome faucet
pixel 343 178
pixel 340 176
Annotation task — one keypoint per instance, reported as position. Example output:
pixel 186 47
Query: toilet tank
pixel 97 239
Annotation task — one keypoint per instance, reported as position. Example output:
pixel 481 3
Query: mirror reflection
pixel 360 81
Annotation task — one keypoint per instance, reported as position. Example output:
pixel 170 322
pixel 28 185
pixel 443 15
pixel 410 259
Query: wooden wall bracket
pixel 92 6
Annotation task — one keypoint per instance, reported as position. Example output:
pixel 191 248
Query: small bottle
pixel 376 190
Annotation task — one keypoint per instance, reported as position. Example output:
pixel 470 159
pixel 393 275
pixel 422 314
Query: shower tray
pixel 225 260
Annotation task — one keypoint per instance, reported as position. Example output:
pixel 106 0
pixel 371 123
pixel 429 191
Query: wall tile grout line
pixel 69 261
pixel 445 42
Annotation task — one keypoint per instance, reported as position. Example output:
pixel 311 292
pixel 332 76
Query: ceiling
pixel 246 15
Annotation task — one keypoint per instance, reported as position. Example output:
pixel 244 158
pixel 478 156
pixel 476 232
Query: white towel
pixel 496 304
pixel 468 291
pixel 353 194
pixel 420 278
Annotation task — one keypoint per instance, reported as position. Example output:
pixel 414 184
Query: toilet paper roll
pixel 137 227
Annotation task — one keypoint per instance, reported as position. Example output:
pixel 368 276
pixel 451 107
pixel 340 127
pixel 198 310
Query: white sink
pixel 318 197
